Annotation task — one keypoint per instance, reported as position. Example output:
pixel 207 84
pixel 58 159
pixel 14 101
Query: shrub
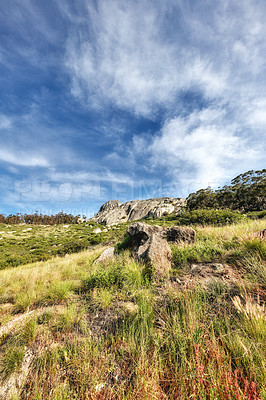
pixel 209 217
pixel 256 214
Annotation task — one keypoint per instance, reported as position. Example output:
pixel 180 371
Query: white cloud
pixel 142 56
pixel 128 54
pixel 126 60
pixel 5 122
pixel 84 176
pixel 32 32
pixel 23 159
pixel 203 148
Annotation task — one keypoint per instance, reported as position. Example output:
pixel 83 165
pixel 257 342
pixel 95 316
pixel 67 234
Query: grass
pixel 20 244
pixel 236 244
pixel 105 332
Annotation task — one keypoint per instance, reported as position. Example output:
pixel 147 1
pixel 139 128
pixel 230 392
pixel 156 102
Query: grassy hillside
pixel 72 329
pixel 21 244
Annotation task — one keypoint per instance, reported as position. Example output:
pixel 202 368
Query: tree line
pixel 247 192
pixel 39 219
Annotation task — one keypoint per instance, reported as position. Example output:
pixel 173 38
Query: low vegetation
pixel 95 331
pixel 21 244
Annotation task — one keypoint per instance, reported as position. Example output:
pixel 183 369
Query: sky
pixel 127 99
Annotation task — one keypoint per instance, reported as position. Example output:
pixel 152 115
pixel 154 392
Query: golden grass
pixel 26 285
pixel 246 230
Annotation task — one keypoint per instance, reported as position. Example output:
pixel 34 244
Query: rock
pixel 149 246
pixel 81 220
pixel 157 253
pixel 110 213
pixel 262 234
pixel 130 308
pixel 97 230
pixel 140 230
pixel 113 212
pixel 208 269
pixel 181 234
pixel 110 205
pixel 106 255
pixel 218 268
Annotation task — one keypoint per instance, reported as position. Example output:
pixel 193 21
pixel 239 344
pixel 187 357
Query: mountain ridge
pixel 113 211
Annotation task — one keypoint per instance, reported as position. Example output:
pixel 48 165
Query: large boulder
pixel 181 234
pixel 156 252
pixel 148 245
pixel 141 231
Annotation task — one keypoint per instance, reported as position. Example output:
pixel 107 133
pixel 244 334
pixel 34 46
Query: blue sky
pixel 127 99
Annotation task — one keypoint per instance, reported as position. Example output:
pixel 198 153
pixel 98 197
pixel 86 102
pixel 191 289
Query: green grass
pixel 232 244
pixel 22 244
pixel 11 361
pixel 105 332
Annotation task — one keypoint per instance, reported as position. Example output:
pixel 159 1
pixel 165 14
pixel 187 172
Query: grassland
pixel 21 244
pixel 81 330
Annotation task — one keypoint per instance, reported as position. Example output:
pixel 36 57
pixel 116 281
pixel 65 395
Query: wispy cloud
pixel 5 122
pixel 139 56
pixel 129 93
pixel 204 148
pixel 23 159
pixel 144 57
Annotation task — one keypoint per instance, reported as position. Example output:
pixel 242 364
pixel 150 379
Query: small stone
pixel 219 268
pixel 131 308
pixel 106 255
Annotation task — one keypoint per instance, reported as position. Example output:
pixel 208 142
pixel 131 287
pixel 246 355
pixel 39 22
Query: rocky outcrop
pixel 114 211
pixel 110 213
pixel 209 276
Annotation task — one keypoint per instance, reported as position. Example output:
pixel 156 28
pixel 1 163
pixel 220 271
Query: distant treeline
pixel 247 192
pixel 39 219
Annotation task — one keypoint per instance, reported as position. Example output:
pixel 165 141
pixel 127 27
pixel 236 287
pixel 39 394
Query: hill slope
pixel 71 328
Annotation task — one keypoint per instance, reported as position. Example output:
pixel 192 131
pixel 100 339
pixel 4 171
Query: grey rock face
pixel 114 211
pixel 156 252
pixel 110 205
pixel 140 230
pixel 110 213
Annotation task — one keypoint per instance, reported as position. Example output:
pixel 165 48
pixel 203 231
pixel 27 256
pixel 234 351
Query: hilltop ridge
pixel 113 212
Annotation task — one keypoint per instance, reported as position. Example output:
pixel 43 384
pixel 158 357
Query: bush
pixel 256 214
pixel 209 217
